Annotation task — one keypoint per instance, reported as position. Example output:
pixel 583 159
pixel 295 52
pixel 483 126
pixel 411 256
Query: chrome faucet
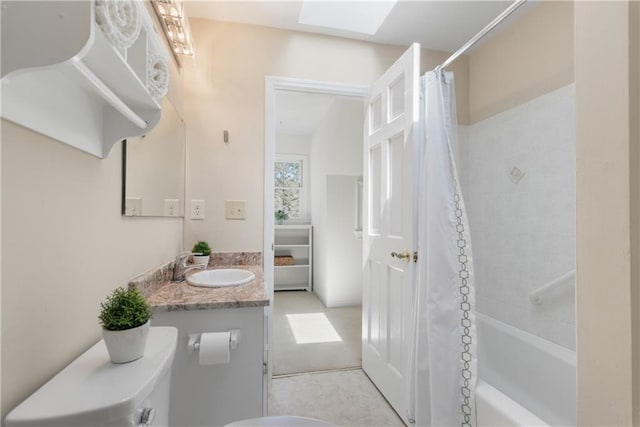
pixel 180 266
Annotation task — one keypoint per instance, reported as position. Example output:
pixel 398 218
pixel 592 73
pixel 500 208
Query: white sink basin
pixel 220 278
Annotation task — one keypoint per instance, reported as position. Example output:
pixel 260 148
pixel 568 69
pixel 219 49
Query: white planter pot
pixel 199 259
pixel 127 345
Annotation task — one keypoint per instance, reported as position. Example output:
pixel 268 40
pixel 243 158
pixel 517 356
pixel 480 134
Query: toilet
pixel 280 422
pixel 92 391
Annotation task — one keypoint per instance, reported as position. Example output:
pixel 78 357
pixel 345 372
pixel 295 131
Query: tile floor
pixel 292 357
pixel 343 398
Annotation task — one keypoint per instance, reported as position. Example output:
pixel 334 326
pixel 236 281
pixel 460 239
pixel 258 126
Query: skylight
pixel 364 17
pixel 311 328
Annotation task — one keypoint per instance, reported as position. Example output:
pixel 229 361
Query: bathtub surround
pixel 537 374
pixel 523 232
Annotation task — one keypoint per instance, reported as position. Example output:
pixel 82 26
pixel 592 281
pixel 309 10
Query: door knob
pixel 404 255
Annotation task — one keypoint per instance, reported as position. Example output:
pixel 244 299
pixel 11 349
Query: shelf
pixel 298 287
pixel 295 241
pixel 63 78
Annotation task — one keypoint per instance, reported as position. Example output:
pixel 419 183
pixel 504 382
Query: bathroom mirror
pixel 153 168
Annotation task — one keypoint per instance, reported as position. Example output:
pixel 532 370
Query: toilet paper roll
pixel 214 348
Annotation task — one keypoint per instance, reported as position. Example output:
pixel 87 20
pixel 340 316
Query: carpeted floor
pixel 309 337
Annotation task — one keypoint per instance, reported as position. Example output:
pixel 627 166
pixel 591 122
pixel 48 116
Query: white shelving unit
pixel 295 241
pixel 63 78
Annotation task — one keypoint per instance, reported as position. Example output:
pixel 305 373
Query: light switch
pixel 170 207
pixel 197 209
pixel 235 209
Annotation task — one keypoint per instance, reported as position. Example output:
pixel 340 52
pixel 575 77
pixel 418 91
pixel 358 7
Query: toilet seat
pixel 280 421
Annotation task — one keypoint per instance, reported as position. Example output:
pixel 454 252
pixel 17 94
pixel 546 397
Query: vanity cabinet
pixel 214 395
pixel 294 241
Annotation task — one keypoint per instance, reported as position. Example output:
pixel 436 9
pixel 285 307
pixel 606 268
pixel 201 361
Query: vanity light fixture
pixel 175 25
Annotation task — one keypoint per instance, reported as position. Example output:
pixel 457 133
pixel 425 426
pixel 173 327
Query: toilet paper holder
pixel 193 344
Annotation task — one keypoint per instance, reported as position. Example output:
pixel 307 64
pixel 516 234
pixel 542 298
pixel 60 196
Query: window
pixel 290 185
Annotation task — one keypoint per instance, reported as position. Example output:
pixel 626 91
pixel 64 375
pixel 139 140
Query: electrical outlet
pixel 235 209
pixel 133 206
pixel 170 207
pixel 197 209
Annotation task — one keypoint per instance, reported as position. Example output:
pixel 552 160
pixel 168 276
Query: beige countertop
pixel 182 296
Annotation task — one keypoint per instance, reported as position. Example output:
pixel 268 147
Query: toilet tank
pixel 92 391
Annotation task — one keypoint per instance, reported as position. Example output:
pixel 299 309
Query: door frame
pixel 272 86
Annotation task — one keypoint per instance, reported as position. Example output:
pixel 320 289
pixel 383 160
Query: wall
pixel 155 164
pixel 336 154
pixel 65 247
pixel 343 273
pixel 293 144
pixel 523 233
pixel 523 61
pixel 634 70
pixel 605 34
pixel 224 89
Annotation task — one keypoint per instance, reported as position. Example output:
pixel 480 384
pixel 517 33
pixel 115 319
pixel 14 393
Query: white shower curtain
pixel 444 352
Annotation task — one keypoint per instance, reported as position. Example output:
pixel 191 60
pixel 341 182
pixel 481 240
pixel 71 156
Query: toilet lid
pixel 280 422
pixel 93 388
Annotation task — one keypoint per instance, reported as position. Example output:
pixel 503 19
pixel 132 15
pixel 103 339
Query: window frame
pixel 304 188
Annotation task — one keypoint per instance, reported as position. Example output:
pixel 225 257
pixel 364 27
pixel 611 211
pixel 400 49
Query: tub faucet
pixel 180 266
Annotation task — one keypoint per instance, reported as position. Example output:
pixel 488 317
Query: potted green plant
pixel 124 317
pixel 204 250
pixel 281 216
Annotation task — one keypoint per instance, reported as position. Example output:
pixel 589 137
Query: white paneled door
pixel 391 129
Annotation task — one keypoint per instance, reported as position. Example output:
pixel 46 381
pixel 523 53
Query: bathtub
pixel 524 380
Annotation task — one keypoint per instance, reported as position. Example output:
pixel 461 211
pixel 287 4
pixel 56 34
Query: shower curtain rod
pixel 508 11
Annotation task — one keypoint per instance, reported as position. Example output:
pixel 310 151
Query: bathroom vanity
pixel 217 394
